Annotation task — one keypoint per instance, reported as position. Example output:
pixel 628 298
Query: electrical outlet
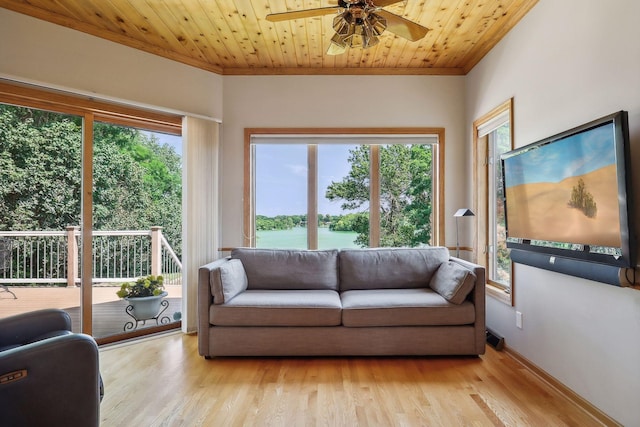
pixel 518 319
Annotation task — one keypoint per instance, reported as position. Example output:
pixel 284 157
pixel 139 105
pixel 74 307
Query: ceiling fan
pixel 358 23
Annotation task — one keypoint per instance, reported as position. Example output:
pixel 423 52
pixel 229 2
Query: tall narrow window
pixel 499 261
pixel 342 190
pixel 406 201
pixel 493 137
pixel 339 222
pixel 281 196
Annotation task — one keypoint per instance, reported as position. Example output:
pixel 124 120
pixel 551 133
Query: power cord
pixel 631 280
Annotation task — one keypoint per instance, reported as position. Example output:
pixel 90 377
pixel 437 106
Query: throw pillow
pixel 453 282
pixel 227 281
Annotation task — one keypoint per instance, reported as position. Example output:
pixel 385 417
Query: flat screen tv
pixel 569 195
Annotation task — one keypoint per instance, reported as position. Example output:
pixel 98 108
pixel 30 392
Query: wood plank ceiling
pixel 232 37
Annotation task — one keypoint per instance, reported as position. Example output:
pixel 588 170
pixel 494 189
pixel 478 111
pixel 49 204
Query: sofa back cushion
pixel 389 268
pixel 287 269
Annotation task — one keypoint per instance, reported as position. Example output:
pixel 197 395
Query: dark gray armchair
pixel 49 376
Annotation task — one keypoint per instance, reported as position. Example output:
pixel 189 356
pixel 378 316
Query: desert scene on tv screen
pixel 566 191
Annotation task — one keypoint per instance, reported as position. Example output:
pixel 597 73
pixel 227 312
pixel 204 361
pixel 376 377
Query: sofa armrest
pixel 32 326
pixel 477 295
pixel 205 300
pixel 59 382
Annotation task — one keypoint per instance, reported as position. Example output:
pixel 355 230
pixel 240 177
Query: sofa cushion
pixel 389 268
pixel 453 282
pixel 279 308
pixel 402 307
pixel 289 269
pixel 227 281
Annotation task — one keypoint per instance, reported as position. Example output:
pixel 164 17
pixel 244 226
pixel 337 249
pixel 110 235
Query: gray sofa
pixel 389 301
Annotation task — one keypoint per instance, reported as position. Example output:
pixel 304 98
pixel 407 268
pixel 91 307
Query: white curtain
pixel 200 207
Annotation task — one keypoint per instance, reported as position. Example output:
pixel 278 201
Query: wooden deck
pixel 109 313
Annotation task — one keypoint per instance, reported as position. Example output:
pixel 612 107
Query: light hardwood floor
pixel 163 381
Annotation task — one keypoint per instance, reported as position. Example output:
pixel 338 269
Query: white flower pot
pixel 144 308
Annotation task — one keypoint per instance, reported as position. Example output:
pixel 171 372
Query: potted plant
pixel 144 296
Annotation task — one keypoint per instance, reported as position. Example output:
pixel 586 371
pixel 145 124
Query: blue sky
pixel 281 178
pixel 572 156
pixel 281 175
pixel 172 140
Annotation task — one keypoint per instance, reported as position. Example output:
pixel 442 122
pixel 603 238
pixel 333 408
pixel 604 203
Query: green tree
pixel 420 207
pixel 405 193
pixel 40 155
pixel 120 201
pixel 358 222
pixel 136 181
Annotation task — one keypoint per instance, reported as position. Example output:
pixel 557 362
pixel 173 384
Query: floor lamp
pixel 458 214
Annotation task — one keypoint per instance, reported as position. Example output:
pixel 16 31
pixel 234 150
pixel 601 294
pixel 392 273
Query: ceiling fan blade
pixel 300 14
pixel 385 3
pixel 403 27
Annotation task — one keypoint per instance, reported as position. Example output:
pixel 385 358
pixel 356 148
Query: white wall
pixel 339 101
pixel 37 51
pixel 567 63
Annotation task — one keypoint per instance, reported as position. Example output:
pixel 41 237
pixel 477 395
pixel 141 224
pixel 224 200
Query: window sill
pixel 499 294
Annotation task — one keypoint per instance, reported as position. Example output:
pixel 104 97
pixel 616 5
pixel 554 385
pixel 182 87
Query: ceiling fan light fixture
pixel 372 27
pixel 376 24
pixel 356 40
pixel 337 45
pixel 342 24
pixel 357 35
pixel 357 30
pixel 338 40
pixel 370 42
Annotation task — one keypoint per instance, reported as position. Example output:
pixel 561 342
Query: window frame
pixel 481 170
pixel 374 233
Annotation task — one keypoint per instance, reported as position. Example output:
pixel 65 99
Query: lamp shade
pixel 464 212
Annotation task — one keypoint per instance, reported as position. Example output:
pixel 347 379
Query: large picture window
pixel 343 189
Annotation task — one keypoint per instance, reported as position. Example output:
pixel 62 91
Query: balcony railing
pixel 51 257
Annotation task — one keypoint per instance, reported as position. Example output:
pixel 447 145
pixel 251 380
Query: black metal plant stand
pixel 132 326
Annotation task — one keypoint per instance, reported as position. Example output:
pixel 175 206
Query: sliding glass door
pixel 90 198
pixel 137 226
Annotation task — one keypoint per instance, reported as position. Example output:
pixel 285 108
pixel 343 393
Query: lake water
pixel 296 238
